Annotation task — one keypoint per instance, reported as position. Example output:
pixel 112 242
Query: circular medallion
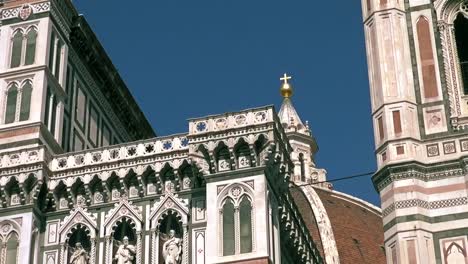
pixel 236 191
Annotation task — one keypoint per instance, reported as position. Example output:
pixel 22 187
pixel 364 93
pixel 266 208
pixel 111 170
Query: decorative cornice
pixel 14 12
pixel 420 171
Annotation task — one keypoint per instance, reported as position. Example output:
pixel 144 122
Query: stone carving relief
pixel 172 249
pixel 127 218
pixel 79 255
pixel 78 220
pixel 169 219
pixel 125 253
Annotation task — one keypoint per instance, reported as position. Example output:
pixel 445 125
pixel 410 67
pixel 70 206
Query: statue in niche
pixel 80 255
pixel 172 249
pixel 125 253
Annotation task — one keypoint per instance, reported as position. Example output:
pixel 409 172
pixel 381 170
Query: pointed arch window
pixel 31 38
pixel 16 49
pixel 228 228
pixel 25 108
pixel 18 103
pixel 23 47
pixel 10 111
pixel 237 223
pixel 12 249
pixel 245 223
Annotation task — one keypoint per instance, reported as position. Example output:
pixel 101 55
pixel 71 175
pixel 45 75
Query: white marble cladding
pixel 14 12
pixel 22 157
pixel 160 145
pixel 227 121
pixel 428 152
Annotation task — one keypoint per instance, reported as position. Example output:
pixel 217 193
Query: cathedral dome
pixel 356 225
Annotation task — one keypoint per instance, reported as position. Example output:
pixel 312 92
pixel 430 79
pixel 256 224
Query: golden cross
pixel 285 78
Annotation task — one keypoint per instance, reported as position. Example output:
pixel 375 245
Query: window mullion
pixel 19 97
pixel 23 50
pixel 237 229
pixel 221 232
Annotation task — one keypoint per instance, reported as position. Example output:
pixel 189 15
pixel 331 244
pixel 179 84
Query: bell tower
pixel 416 77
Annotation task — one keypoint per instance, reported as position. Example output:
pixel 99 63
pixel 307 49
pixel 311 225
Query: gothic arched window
pixel 236 220
pixel 245 215
pixel 461 37
pixel 23 47
pixel 12 249
pixel 26 92
pixel 31 37
pixel 228 228
pixel 16 49
pixel 10 111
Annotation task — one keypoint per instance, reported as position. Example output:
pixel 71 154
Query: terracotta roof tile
pixel 357 227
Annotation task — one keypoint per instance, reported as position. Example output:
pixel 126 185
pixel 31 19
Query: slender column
pixel 138 245
pixel 108 251
pixel 93 251
pixel 3 253
pixel 237 229
pixel 185 250
pixel 154 248
pixel 19 97
pixel 63 252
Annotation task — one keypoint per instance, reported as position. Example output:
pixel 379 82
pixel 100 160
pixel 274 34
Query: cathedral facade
pixel 85 180
pixel 417 57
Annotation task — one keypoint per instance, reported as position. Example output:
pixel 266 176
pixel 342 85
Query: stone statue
pixel 172 249
pixel 125 253
pixel 79 256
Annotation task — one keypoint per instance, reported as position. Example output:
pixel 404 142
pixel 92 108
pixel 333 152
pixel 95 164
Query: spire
pixel 287 114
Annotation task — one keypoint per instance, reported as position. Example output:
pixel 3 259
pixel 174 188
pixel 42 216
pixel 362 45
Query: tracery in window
pixel 18 97
pixel 23 47
pixel 236 220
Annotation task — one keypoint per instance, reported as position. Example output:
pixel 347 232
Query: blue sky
pixel 184 59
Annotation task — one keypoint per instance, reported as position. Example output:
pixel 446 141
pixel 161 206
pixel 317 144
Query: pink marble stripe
pixel 427 191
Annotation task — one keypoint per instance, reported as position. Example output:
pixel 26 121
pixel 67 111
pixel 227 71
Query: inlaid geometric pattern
pixel 425 204
pixel 433 150
pixel 449 147
pixel 464 145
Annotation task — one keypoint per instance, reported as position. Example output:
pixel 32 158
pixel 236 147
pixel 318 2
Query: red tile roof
pixel 357 226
